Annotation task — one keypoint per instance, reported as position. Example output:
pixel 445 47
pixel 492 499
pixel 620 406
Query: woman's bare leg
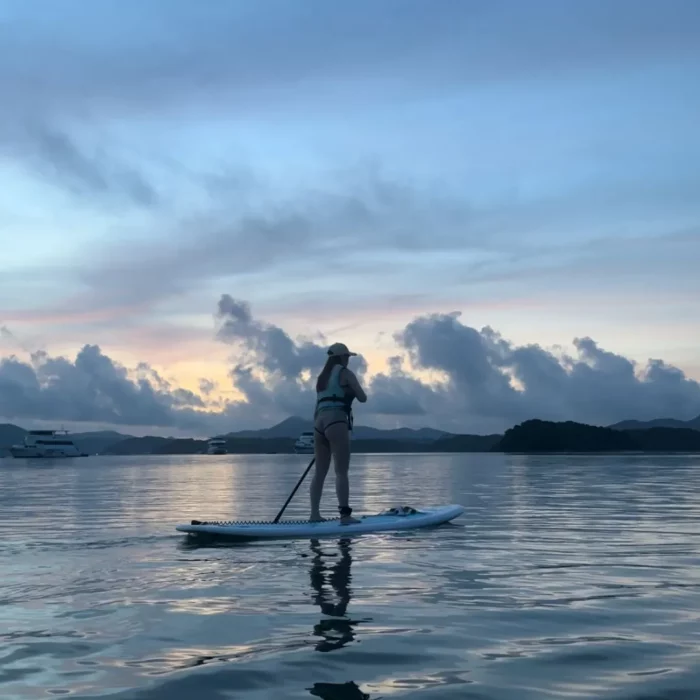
pixel 322 452
pixel 339 438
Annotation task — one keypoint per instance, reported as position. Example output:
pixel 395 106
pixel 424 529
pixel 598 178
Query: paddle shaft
pixel 291 495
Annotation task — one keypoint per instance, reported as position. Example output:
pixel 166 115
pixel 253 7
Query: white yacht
pixel 305 443
pixel 216 446
pixel 47 443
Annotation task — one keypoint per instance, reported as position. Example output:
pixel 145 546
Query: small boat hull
pixel 46 444
pixel 305 443
pixel 20 452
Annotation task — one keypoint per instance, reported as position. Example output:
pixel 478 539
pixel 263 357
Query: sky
pixel 497 205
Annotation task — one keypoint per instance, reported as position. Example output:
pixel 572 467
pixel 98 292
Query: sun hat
pixel 340 349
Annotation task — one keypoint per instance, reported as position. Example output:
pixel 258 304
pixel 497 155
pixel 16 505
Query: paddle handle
pixel 291 495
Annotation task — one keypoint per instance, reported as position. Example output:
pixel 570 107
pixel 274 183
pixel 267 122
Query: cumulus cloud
pixel 486 382
pixel 267 346
pixel 396 393
pixel 207 386
pixel 483 382
pixel 92 388
pixel 272 370
pixel 490 377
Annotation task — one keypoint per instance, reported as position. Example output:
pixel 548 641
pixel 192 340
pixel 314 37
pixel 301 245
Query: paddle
pixel 291 495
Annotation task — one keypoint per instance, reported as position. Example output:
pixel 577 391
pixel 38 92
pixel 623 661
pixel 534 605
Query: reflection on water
pixel 572 578
pixel 330 577
pixel 331 585
pixel 339 691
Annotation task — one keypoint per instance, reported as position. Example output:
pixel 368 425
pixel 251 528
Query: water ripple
pixel 570 578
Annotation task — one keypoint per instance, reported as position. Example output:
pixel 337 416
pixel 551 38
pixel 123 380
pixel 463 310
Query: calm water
pixel 566 578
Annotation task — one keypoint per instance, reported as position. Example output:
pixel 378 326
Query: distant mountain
pixel 534 436
pixel 97 442
pixel 466 443
pixel 693 424
pixel 281 445
pixel 364 432
pixel 292 427
pixel 150 444
pixel 10 435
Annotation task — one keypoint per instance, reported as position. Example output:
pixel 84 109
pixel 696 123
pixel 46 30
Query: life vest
pixel 334 396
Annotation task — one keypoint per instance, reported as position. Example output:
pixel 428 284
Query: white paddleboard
pixel 401 518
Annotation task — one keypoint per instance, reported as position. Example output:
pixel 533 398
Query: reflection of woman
pixel 336 633
pixel 338 691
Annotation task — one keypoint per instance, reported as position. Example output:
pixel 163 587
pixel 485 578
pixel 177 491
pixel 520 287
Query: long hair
pixel 322 380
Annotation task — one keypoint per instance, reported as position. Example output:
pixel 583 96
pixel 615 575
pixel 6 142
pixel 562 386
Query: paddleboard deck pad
pixel 399 518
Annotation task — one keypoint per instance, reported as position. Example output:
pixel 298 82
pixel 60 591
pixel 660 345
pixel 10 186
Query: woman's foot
pixel 346 516
pixel 317 518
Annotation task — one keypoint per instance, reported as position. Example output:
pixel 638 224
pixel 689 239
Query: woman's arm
pixel 351 381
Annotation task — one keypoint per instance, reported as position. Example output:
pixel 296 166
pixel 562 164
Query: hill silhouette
pixel 692 424
pixel 532 436
pixel 538 436
pixel 293 426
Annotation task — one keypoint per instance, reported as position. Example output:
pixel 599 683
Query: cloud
pixel 362 217
pixel 61 159
pixel 491 378
pixel 92 388
pixel 485 381
pixel 245 54
pixel 398 394
pixel 268 347
pixel 384 233
pixel 191 78
pixel 67 74
pixel 514 150
pixel 271 370
pixel 446 374
pixel 207 386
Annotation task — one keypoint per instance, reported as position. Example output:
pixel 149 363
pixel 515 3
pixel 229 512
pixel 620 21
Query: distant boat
pixel 216 446
pixel 305 443
pixel 53 444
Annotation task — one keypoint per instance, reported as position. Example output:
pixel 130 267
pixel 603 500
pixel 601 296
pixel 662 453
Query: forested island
pixel 530 437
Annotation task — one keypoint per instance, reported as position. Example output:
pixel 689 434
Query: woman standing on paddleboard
pixel 336 388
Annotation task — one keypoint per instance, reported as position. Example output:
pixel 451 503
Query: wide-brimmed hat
pixel 340 349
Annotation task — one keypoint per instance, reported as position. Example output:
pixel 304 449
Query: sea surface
pixel 568 577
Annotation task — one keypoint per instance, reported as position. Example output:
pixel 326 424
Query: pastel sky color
pixel 183 184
